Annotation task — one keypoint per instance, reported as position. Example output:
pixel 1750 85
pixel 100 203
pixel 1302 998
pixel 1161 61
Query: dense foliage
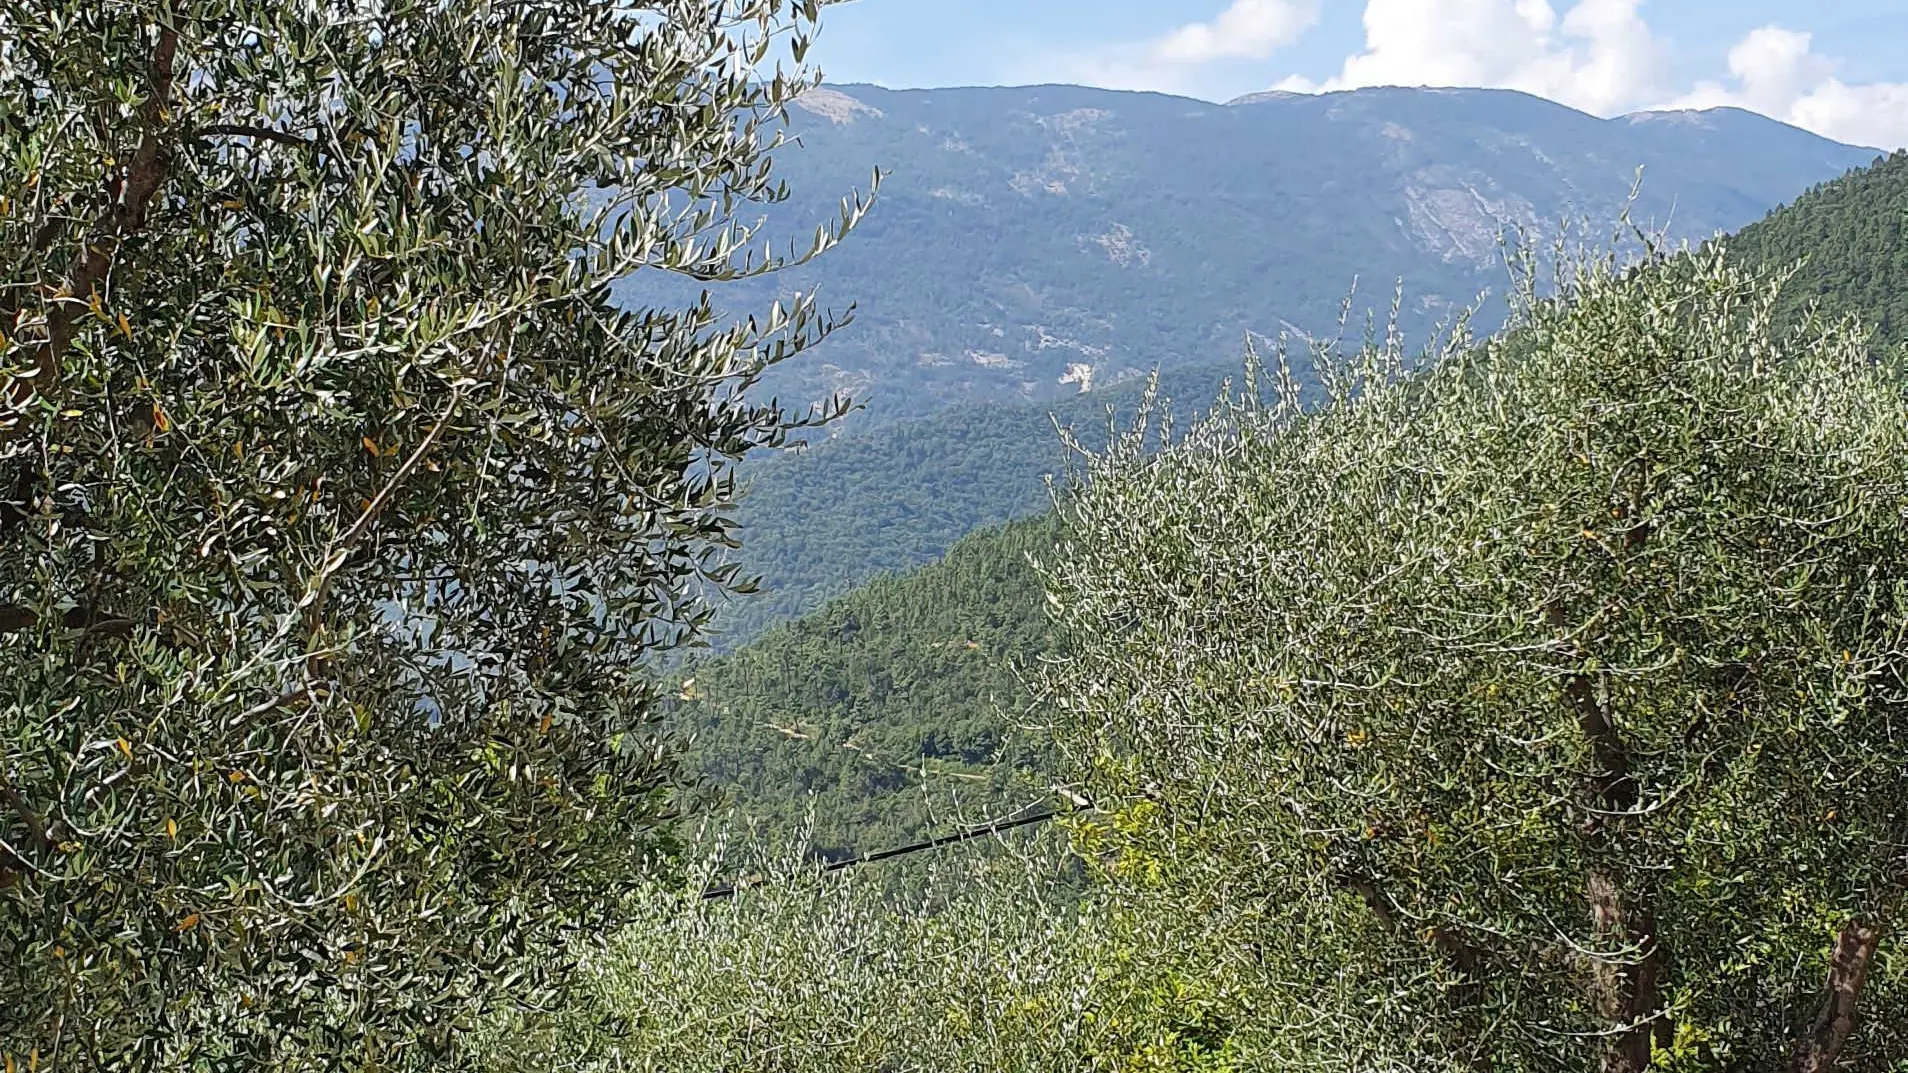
pixel 339 508
pixel 802 976
pixel 1547 707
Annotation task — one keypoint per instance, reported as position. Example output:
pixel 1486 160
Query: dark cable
pixel 962 835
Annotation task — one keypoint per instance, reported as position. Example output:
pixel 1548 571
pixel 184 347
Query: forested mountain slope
pixel 889 663
pixel 893 705
pixel 818 521
pixel 1849 233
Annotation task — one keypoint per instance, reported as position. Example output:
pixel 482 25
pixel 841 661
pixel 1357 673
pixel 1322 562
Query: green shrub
pixel 1004 969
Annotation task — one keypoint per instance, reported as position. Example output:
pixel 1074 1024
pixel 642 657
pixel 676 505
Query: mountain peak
pixel 1719 119
pixel 1263 96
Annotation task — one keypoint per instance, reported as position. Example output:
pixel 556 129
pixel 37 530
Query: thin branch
pixel 14 619
pixel 341 547
pixel 1462 955
pixel 241 130
pixel 34 824
pixel 962 835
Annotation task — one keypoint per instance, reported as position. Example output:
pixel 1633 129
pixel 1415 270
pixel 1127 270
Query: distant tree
pixel 1542 709
pixel 338 507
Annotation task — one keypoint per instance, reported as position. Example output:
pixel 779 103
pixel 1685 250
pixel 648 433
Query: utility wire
pixel 961 835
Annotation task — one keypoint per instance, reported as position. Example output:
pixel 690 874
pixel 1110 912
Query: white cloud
pixel 1600 55
pixel 1176 61
pixel 1247 30
pixel 1777 72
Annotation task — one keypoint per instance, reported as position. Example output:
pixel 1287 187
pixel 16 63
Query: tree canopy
pixel 339 507
pixel 1540 708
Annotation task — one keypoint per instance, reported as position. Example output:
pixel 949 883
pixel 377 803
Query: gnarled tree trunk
pixel 1835 1017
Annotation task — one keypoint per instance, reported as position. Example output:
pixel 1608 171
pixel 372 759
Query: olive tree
pixel 339 506
pixel 1001 968
pixel 1540 706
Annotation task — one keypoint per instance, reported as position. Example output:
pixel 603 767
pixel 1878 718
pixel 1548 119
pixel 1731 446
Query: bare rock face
pixel 1455 220
pixel 834 106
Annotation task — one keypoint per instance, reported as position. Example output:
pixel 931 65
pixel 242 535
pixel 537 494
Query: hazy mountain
pixel 894 704
pixel 1029 242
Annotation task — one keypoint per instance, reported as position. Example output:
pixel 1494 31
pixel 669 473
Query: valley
pixel 900 706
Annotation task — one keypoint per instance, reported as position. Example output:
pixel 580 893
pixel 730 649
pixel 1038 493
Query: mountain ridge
pixel 1029 241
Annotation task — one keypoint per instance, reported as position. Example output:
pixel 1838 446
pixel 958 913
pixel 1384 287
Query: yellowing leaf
pixel 159 419
pixel 172 827
pixel 370 445
pixel 548 718
pixel 124 747
pixel 125 327
pixel 235 776
pixel 191 921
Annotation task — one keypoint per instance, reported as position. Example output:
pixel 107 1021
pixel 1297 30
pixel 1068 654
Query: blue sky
pixel 1836 66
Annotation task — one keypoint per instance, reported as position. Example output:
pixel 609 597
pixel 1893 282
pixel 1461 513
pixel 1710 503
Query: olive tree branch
pixel 242 130
pixel 125 215
pixel 34 824
pixel 340 547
